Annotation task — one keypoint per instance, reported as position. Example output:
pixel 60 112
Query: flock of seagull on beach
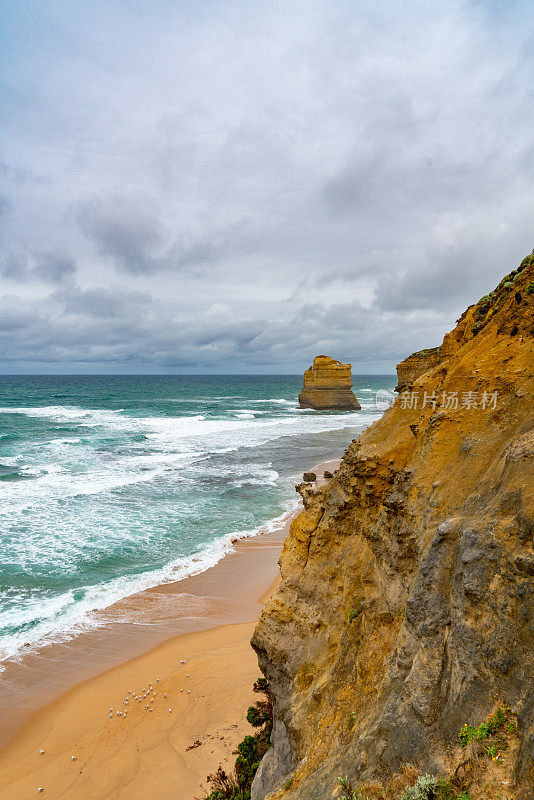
pixel 143 694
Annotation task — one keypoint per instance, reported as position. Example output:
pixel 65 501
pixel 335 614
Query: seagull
pixel 73 758
pixel 164 694
pixel 187 676
pixel 189 691
pixel 39 788
pixel 42 752
pixel 170 710
pixel 181 690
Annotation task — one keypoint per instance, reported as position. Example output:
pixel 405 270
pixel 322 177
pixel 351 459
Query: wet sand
pixel 59 698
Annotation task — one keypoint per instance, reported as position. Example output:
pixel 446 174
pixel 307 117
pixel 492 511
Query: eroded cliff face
pixel 416 365
pixel 424 539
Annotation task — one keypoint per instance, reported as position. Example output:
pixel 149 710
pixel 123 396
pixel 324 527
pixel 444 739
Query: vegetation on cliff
pixel 249 752
pixel 482 765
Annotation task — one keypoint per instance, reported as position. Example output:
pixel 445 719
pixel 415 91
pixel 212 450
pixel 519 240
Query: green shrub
pixel 258 715
pixel 530 288
pixel 423 788
pixel 491 751
pixel 502 718
pixel 249 752
pixel 288 784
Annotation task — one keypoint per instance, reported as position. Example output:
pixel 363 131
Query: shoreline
pixel 211 613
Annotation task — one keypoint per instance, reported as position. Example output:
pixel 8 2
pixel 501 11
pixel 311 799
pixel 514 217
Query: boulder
pixel 309 477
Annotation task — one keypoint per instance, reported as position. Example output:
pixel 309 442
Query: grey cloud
pixel 129 231
pixel 346 180
pixel 111 301
pixel 125 228
pixel 55 268
pixel 14 266
pixel 24 267
pixel 14 313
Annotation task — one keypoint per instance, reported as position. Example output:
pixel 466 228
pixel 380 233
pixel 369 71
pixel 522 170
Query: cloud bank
pixel 214 187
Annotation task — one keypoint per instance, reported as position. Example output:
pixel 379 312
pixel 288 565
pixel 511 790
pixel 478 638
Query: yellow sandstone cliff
pixel 405 604
pixel 327 385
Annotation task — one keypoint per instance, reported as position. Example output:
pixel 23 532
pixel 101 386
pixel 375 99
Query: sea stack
pixel 327 386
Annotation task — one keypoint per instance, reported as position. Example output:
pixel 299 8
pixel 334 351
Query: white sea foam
pixel 117 450
pixel 63 413
pixel 281 401
pixel 65 616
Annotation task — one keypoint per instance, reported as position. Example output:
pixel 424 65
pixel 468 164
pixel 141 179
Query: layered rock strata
pixel 327 385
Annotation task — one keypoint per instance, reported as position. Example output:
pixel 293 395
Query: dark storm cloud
pixel 14 266
pixel 55 268
pixel 125 229
pixel 112 301
pixel 238 187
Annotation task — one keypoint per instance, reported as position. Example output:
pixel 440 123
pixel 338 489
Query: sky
pixel 233 187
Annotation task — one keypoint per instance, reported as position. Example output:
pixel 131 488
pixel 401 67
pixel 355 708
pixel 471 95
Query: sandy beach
pixel 197 686
pixel 163 747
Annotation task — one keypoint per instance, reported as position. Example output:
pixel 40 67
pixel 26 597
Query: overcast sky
pixel 238 186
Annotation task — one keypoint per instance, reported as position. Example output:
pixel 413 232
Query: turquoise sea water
pixel 109 485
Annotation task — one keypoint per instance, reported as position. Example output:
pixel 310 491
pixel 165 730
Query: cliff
pixel 416 365
pixel 327 385
pixel 405 604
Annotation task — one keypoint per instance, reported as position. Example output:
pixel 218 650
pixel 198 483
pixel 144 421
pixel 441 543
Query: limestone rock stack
pixel 327 385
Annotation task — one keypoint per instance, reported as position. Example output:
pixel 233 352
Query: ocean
pixel 114 484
